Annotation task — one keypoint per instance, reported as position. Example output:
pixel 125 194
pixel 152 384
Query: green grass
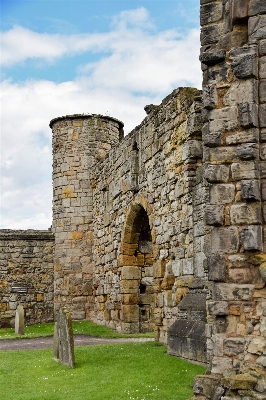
pixel 79 327
pixel 139 371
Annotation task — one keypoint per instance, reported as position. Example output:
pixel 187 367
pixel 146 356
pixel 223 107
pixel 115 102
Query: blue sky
pixel 92 56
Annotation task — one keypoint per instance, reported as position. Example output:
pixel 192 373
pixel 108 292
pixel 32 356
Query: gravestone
pixel 63 339
pixel 19 321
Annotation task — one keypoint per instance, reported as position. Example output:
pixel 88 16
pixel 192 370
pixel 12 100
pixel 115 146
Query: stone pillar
pixel 232 55
pixel 79 141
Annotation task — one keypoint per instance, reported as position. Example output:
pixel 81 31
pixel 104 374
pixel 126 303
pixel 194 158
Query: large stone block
pixel 214 215
pixel 251 238
pixel 211 34
pixel 206 386
pixel 131 272
pixel 246 136
pixel 222 193
pixel 217 173
pixel 245 214
pixel 210 13
pixel 216 268
pixel 210 96
pixel 262 47
pixel 245 66
pixel 192 150
pixel 129 286
pixel 247 151
pixel 223 119
pixel 218 308
pixel 129 313
pixel 250 190
pixel 257 28
pixel 225 240
pixel 248 115
pixel 262 91
pixel 262 115
pixel 257 7
pixel 222 154
pixel 233 292
pixel 212 56
pixel 244 170
pixel 159 268
pixel 239 10
pixel 262 68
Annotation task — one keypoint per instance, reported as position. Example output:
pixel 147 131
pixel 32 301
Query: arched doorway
pixel 136 262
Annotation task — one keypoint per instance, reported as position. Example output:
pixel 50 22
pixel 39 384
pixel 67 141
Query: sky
pixel 58 57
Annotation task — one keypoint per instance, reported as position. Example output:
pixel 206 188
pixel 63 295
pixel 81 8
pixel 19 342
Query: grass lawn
pixel 79 327
pixel 104 372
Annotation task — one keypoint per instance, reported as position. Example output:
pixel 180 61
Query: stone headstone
pixel 19 321
pixel 65 338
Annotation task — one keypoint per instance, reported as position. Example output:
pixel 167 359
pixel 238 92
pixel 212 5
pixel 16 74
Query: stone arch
pixel 136 263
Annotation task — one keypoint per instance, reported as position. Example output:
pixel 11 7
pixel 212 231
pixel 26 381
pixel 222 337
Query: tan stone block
pixel 101 306
pixel 129 286
pixel 159 268
pixel 184 281
pixel 130 313
pixel 146 298
pixel 130 299
pixel 128 248
pixel 168 282
pixel 130 260
pixel 131 272
pixel 4 306
pixel 76 235
pixel 234 309
pixel 148 259
pixel 180 293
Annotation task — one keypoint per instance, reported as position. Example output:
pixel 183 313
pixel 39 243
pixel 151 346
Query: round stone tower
pixel 79 143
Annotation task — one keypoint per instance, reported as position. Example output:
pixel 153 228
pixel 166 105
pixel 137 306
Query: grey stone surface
pixel 216 268
pixel 217 173
pixel 251 238
pixel 214 215
pixel 19 321
pixel 250 190
pixel 248 115
pixel 65 338
pixel 248 151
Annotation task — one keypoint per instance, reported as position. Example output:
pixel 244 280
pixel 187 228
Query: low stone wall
pixel 26 275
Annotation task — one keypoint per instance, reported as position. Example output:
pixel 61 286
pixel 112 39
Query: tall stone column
pixel 232 54
pixel 79 141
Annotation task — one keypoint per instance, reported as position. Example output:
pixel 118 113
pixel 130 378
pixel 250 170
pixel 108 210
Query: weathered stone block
pixel 221 365
pixel 262 115
pixel 129 313
pixel 256 7
pixel 214 215
pixel 250 190
pixel 248 115
pixel 233 292
pixel 217 173
pixel 247 151
pixel 222 193
pixel 206 386
pixel 239 10
pixel 223 119
pixel 262 67
pixel 251 238
pixel 129 286
pixel 223 154
pixel 244 170
pixel 212 56
pixel 225 240
pixel 168 282
pixel 210 13
pixel 247 136
pixel 244 214
pixel 130 299
pixel 262 47
pixel 240 381
pixel 216 268
pixel 210 96
pixel 159 268
pixel 192 149
pixel 218 308
pixel 257 28
pixel 262 91
pixel 245 66
pixel 211 34
pixel 131 272
pixel 194 124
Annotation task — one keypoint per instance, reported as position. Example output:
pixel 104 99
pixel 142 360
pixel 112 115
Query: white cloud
pixel 140 66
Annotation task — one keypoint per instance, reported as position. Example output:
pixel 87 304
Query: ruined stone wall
pixel 155 170
pixel 26 275
pixel 233 39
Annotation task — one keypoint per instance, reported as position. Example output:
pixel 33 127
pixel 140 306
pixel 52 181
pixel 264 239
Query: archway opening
pixel 136 260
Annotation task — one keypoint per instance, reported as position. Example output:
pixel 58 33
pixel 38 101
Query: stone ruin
pixel 164 229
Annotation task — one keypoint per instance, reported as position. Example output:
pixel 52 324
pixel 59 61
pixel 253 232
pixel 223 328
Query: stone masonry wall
pixel 26 262
pixel 233 39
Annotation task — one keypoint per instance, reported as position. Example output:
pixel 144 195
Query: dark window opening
pixel 142 288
